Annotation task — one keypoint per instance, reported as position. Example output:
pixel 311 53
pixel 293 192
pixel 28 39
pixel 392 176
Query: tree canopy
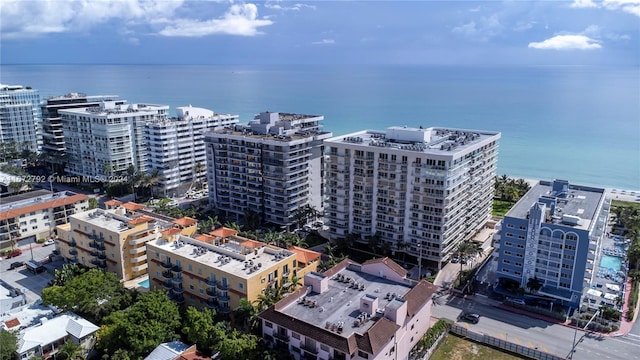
pixel 8 345
pixel 152 320
pixel 92 295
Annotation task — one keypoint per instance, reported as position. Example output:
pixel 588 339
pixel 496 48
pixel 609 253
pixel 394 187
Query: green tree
pixel 235 345
pixel 93 203
pixel 534 284
pixel 199 327
pixel 67 272
pixel 246 315
pixel 8 345
pixel 152 320
pixel 69 351
pixel 93 295
pixel 465 250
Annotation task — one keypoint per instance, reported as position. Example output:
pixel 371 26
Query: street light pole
pixel 419 262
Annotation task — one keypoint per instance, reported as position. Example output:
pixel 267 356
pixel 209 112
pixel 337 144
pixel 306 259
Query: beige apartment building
pixel 218 269
pixel 114 239
pixel 26 217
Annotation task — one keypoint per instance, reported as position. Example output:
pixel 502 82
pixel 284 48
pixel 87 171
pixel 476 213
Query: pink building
pixel 352 311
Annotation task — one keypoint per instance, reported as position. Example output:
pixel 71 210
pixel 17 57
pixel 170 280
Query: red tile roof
pixel 185 221
pixel 11 323
pixel 140 220
pixel 223 232
pixel 113 202
pixel 171 231
pixel 419 295
pixel 304 256
pixel 13 213
pixel 131 206
pixel 251 243
pixel 205 238
pixel 390 263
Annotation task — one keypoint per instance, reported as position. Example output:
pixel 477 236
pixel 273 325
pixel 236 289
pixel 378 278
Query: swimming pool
pixel 144 284
pixel 611 262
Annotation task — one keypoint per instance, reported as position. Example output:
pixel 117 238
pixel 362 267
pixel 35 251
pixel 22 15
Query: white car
pixel 49 242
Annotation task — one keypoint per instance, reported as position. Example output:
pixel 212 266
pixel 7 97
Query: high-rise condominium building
pixel 419 190
pixel 114 239
pixel 554 233
pixel 27 217
pixel 218 269
pixel 176 147
pixel 272 166
pixel 104 141
pixel 20 117
pixel 52 129
pixel 352 311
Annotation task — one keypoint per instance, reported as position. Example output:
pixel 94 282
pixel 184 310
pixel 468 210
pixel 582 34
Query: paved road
pixel 526 331
pixel 31 284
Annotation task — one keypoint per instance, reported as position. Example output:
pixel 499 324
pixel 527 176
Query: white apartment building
pixel 272 165
pixel 20 117
pixel 52 129
pixel 421 190
pixel 25 217
pixel 105 140
pixel 176 146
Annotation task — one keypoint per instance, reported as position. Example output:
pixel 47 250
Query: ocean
pixel 577 123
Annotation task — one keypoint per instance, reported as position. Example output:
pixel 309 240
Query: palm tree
pixel 466 249
pixel 534 284
pixel 233 225
pixel 246 315
pixel 271 237
pixel 198 168
pixel 70 351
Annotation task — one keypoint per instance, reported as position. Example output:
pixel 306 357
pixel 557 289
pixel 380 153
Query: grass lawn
pixel 500 207
pixel 630 204
pixel 457 348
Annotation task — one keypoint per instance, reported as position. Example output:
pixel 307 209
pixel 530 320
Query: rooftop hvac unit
pixel 259 265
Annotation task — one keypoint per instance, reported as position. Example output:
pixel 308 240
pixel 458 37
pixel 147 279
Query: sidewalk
pixel 626 325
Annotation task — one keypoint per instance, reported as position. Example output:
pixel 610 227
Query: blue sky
pixel 581 32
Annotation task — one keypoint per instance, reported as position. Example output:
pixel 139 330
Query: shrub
pixel 630 314
pixel 434 332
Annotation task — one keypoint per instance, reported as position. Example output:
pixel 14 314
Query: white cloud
pixel 18 18
pixel 567 42
pixel 629 6
pixel 240 19
pixel 276 5
pixel 24 19
pixel 584 4
pixel 324 42
pixel 482 30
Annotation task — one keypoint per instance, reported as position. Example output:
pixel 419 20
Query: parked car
pixel 16 264
pixel 455 259
pixel 515 301
pixel 49 242
pixel 14 253
pixel 470 317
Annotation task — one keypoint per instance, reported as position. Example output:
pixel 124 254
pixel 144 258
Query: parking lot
pixel 24 279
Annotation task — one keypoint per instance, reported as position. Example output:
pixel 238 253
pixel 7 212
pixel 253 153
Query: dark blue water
pixel 577 123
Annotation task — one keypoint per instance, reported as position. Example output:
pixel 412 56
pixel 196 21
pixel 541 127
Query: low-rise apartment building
pixel 218 269
pixel 114 239
pixel 553 234
pixel 29 216
pixel 352 311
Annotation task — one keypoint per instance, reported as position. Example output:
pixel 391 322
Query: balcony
pixel 222 286
pixel 212 304
pixel 166 265
pixel 281 336
pixel 140 267
pixel 177 279
pixel 224 297
pixel 224 309
pixel 212 284
pixel 176 269
pixel 167 274
pixel 138 250
pixel 309 349
pixel 179 298
pixel 142 240
pixel 73 252
pixel 177 289
pixel 167 285
pixel 212 293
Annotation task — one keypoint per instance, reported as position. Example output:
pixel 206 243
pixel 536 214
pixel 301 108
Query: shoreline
pixel 615 194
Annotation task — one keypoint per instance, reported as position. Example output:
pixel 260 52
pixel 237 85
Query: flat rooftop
pixel 580 201
pixel 109 220
pixel 424 140
pixel 341 303
pixel 234 255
